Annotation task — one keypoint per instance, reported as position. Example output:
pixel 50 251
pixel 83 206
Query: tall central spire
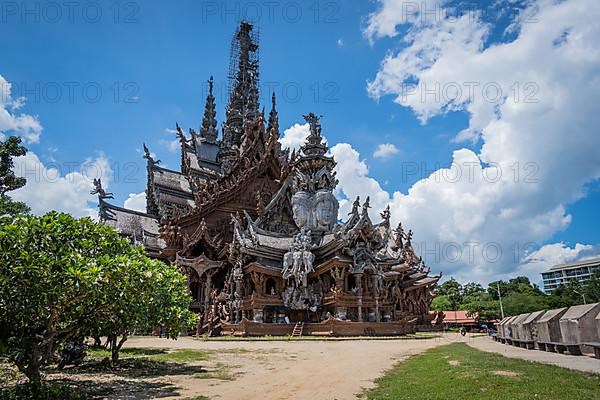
pixel 243 97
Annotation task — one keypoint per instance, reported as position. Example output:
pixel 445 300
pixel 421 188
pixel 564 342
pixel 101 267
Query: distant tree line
pixel 519 296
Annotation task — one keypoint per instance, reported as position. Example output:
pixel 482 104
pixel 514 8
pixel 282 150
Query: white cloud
pixel 136 202
pixel 354 180
pixel 555 254
pixel 392 13
pixel 61 187
pixel 385 151
pixel 544 151
pixel 340 42
pixel 171 145
pixel 294 136
pixel 24 125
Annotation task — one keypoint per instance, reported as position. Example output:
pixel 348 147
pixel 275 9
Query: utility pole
pixel 500 297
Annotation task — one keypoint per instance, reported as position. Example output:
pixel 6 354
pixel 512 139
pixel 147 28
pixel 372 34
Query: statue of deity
pixel 298 262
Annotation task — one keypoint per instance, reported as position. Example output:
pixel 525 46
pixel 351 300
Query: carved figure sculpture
pixel 315 210
pixel 298 262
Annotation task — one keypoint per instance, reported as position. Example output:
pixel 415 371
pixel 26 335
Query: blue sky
pixel 151 60
pixel 170 53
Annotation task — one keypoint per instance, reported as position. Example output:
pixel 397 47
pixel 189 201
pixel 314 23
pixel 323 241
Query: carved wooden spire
pixel 243 99
pixel 273 116
pixel 208 129
pixel 314 142
pixel 252 101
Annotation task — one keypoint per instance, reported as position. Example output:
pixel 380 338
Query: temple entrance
pixel 274 315
pixel 304 315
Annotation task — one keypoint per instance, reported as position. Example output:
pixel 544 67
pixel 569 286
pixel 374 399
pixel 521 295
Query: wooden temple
pixel 255 229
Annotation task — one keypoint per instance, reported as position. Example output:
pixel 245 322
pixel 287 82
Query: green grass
pixel 458 371
pixel 220 371
pixel 45 391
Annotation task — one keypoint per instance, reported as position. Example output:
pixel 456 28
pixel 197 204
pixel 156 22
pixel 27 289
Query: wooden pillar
pixel 375 289
pixel 207 286
pixel 358 278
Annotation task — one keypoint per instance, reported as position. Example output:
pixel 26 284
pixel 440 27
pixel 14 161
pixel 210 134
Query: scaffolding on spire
pixel 243 89
pixel 240 47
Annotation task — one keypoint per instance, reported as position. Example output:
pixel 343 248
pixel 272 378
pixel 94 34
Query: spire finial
pixel 314 143
pixel 208 129
pixel 366 206
pixel 399 236
pixel 386 215
pixel 148 156
pixel 355 206
pixel 273 116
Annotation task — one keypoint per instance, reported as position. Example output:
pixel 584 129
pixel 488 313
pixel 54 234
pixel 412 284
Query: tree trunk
pixel 33 373
pixel 116 347
pixel 31 369
pixel 113 349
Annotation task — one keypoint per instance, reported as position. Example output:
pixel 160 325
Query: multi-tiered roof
pixel 256 228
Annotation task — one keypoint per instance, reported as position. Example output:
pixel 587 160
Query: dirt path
pixel 301 370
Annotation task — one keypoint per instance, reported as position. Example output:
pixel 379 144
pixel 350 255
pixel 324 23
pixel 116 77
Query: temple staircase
pixel 298 328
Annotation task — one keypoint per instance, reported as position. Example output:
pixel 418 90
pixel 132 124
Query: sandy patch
pixel 454 363
pixel 300 370
pixel 511 374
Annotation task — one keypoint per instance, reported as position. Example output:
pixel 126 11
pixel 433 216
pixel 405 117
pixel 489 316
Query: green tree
pixel 520 284
pixel 520 303
pixel 480 303
pixel 441 303
pixel 9 206
pixel 591 288
pixel 60 276
pixel 573 292
pixel 453 290
pixel 472 288
pixel 9 149
pixel 151 294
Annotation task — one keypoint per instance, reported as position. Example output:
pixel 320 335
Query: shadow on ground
pixel 122 389
pixel 128 379
pixel 135 368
